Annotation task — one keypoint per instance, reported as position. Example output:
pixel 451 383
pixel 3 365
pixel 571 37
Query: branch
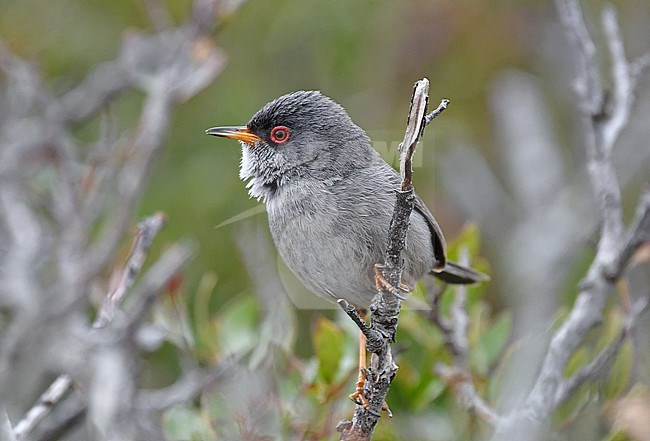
pixel 638 235
pixel 600 366
pixel 191 383
pixel 63 234
pixel 153 282
pixel 44 406
pixel 602 128
pixel 169 67
pixel 441 107
pixel 6 431
pixel 386 304
pixel 105 83
pixel 588 81
pixel 145 233
pixel 458 375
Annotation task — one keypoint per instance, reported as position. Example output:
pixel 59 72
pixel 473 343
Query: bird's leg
pixel 358 396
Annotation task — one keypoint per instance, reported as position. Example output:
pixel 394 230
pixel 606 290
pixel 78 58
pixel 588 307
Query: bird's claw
pixel 381 284
pixel 358 396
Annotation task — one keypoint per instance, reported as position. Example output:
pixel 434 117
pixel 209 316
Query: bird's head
pixel 301 135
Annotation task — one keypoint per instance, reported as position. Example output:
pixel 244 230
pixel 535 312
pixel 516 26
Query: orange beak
pixel 233 132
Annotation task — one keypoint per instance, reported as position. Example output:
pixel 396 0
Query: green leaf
pixel 478 356
pixel 205 329
pixel 619 377
pixel 578 359
pixel 424 395
pixel 611 329
pixel 469 238
pixel 617 435
pixel 496 337
pixel 237 325
pixel 327 339
pixel 185 424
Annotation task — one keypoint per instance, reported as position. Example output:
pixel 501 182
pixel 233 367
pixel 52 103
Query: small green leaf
pixel 205 330
pixel 496 337
pixel 328 344
pixel 617 435
pixel 468 238
pixel 619 377
pixel 579 359
pixel 180 423
pixel 424 395
pixel 237 325
pixel 612 324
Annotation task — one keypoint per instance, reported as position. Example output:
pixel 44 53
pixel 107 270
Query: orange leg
pixel 358 396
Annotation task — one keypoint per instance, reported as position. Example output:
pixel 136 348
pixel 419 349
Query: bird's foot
pixel 381 284
pixel 385 408
pixel 358 397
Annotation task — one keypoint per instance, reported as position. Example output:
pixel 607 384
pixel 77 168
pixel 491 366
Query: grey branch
pixel 638 235
pixel 60 239
pixel 45 403
pixel 600 366
pixel 386 304
pixel 458 375
pixel 145 233
pixel 603 123
pixel 155 279
pixel 436 113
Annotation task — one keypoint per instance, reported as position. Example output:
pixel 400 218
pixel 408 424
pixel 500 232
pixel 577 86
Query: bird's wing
pixel 437 238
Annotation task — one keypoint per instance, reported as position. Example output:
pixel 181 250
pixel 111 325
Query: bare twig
pixel 602 363
pixel 458 375
pixel 588 81
pixel 188 386
pixel 386 304
pixel 6 431
pixel 71 419
pixel 44 406
pixel 61 238
pixel 156 278
pixel 144 235
pixel 414 130
pixel 602 128
pixel 461 383
pixel 639 234
pixel 105 83
pixel 441 107
pixel 158 15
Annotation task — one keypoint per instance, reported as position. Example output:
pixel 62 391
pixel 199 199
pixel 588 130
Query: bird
pixel 329 197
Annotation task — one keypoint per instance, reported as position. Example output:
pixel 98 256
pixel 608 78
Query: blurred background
pixel 506 157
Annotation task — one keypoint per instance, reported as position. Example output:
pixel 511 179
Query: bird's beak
pixel 232 132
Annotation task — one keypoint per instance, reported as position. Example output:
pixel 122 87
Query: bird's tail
pixel 460 275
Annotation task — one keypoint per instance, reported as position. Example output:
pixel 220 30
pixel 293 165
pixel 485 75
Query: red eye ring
pixel 280 134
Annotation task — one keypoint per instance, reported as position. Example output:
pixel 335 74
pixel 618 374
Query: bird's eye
pixel 280 134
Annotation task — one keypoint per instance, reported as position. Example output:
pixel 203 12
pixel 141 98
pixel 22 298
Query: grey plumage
pixel 330 197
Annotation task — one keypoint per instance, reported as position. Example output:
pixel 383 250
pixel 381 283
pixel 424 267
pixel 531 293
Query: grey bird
pixel 330 196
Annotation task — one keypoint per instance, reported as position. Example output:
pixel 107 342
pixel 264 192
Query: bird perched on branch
pixel 330 197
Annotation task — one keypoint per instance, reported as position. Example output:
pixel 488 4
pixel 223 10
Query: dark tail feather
pixel 460 275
